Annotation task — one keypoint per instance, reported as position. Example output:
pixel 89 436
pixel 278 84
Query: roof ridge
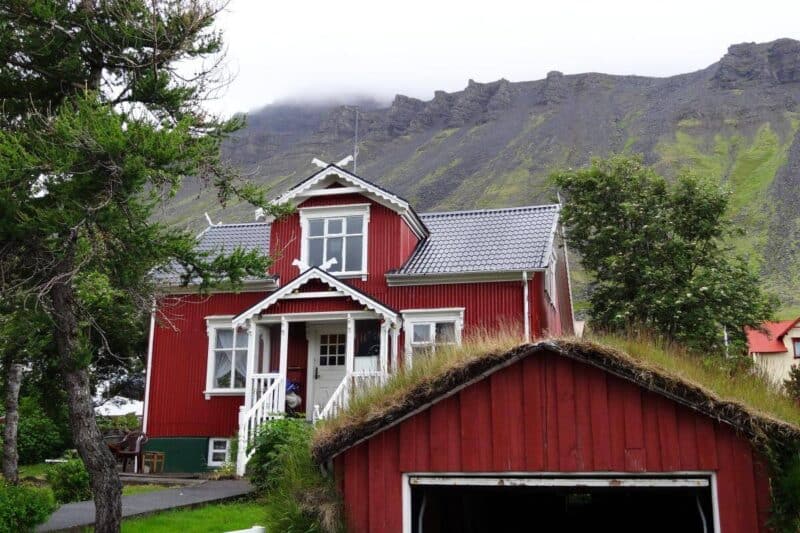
pixel 229 224
pixel 493 210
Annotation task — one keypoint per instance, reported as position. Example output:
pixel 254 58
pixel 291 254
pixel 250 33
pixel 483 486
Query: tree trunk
pixel 10 454
pixel 100 463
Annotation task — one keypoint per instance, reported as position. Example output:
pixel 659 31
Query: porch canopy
pixel 320 288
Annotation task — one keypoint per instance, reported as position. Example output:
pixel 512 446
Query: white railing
pixel 259 384
pixel 269 405
pixel 353 384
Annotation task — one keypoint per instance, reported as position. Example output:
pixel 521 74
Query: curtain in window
pixel 241 369
pixel 222 369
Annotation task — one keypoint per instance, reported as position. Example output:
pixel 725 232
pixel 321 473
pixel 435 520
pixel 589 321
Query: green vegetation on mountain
pixel 495 144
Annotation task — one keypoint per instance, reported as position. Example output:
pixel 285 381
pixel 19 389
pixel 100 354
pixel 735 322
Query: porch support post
pixel 384 348
pixel 395 332
pixel 251 359
pixel 284 363
pixel 349 354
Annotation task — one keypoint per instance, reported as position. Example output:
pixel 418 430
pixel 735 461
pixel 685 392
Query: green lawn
pixel 207 519
pixel 127 490
pixel 36 471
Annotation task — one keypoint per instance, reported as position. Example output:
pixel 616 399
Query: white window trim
pixel 412 317
pixel 307 213
pixel 213 323
pixel 550 288
pixel 210 462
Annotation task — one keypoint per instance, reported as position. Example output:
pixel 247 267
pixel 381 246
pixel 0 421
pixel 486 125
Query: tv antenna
pixel 355 145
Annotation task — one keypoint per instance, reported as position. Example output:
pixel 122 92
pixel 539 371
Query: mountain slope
pixel 494 144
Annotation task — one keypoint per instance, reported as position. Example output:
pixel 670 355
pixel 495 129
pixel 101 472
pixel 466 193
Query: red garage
pixel 555 436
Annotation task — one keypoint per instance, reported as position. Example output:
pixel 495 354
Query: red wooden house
pixel 361 284
pixel 554 436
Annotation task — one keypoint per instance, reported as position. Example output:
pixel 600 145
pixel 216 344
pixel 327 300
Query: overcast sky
pixel 311 48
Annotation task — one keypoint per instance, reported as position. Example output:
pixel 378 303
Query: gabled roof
pixel 322 178
pixel 219 239
pixel 315 273
pixel 409 401
pixel 486 240
pixel 771 340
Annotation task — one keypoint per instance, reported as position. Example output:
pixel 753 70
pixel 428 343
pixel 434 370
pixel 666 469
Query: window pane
pixel 224 338
pixel 316 227
pixel 445 332
pixel 354 224
pixel 315 252
pixel 218 457
pixel 241 338
pixel 335 226
pixel 220 445
pixel 422 333
pixel 340 360
pixel 222 370
pixel 353 259
pixel 796 347
pixel 335 250
pixel 240 372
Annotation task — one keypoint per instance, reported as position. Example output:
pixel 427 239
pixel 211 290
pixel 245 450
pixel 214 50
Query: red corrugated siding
pixel 177 406
pixel 549 414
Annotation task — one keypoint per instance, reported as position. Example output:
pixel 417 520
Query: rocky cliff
pixel 494 144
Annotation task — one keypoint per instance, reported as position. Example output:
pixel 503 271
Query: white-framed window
pixel 337 236
pixel 227 358
pixel 427 329
pixel 219 452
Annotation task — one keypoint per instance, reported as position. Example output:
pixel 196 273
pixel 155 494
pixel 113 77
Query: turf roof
pixel 773 419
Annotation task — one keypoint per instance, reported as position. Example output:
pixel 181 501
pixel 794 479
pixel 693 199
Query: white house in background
pixel 777 349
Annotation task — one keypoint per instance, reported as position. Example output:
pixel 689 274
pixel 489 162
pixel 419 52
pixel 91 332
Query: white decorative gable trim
pixel 311 274
pixel 308 188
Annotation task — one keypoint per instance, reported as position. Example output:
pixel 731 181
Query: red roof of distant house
pixel 772 341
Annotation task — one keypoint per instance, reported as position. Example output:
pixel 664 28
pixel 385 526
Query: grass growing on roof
pixel 751 389
pixel 425 371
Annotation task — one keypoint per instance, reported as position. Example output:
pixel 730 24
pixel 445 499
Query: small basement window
pixel 218 452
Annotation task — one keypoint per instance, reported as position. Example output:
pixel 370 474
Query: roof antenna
pixel 208 218
pixel 355 146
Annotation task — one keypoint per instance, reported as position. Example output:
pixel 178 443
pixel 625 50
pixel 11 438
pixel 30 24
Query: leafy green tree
pixel 102 118
pixel 657 252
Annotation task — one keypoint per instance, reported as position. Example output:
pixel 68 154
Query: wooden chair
pixel 130 447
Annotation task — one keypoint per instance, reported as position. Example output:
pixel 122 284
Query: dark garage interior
pixel 472 509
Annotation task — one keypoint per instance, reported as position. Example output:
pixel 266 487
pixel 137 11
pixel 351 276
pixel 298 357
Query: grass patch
pixel 36 471
pixel 424 373
pixel 750 389
pixel 129 490
pixel 788 313
pixel 210 518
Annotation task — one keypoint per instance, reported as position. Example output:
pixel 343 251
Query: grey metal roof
pixel 219 239
pixel 486 240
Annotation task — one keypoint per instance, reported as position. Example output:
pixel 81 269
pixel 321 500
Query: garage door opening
pixel 516 504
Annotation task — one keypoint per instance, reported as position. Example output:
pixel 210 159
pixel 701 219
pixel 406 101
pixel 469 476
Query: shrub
pixel 124 423
pixel 299 498
pixel 792 384
pixel 266 464
pixel 70 481
pixel 23 507
pixel 38 436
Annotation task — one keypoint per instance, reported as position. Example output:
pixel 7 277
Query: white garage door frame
pixel 559 479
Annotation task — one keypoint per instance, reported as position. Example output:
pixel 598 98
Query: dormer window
pixel 335 238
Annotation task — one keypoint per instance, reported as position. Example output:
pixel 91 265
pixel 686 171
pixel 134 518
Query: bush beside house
pixel 298 497
pixel 23 507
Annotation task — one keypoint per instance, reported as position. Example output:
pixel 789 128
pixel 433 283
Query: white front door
pixel 327 363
